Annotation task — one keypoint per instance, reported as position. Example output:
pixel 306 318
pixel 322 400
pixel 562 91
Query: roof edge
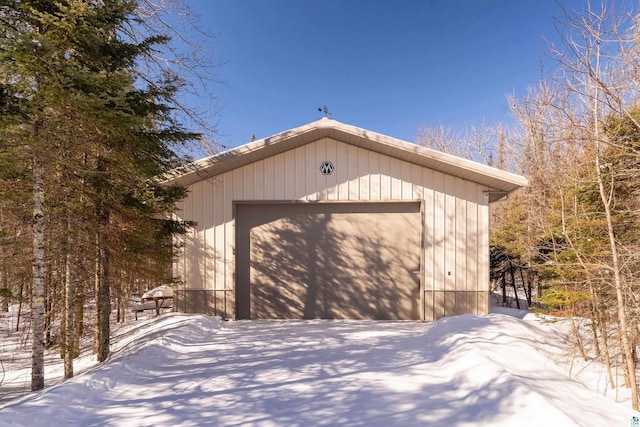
pixel 496 180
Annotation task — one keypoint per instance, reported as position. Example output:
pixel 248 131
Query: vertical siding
pixel 483 255
pixel 352 172
pixel 309 171
pixel 248 174
pixel 385 178
pixel 208 234
pixel 396 180
pixel 238 187
pixel 460 235
pixel 472 251
pixel 198 249
pixel 417 185
pixel 331 192
pixel 449 234
pixel 218 248
pixel 258 186
pixel 363 175
pixel 374 176
pixel 279 176
pixel 269 176
pixel 298 185
pixel 406 184
pixel 291 184
pixel 342 171
pixel 225 249
pixel 454 272
pixel 439 227
pixel 428 240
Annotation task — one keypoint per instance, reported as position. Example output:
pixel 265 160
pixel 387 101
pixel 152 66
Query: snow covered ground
pixel 192 370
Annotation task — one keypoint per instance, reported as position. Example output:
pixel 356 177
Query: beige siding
pixel 454 271
pixel 439 234
pixel 428 231
pixel 374 176
pixel 460 236
pixel 483 257
pixel 278 174
pixel 352 172
pixel 219 236
pixel 449 234
pixel 342 172
pixel 385 178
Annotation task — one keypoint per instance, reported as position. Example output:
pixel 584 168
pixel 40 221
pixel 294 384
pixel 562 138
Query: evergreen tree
pixel 98 136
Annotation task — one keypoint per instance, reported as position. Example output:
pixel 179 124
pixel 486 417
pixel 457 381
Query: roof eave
pixel 496 181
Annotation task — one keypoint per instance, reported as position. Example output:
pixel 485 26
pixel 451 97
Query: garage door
pixel 328 260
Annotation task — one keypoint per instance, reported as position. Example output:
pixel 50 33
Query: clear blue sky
pixel 387 66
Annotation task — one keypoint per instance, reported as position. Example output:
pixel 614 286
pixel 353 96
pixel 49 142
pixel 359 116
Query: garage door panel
pixel 269 299
pixel 385 227
pixel 355 261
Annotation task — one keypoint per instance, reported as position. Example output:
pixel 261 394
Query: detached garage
pixel 333 221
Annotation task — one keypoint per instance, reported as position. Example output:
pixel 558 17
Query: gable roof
pixel 498 182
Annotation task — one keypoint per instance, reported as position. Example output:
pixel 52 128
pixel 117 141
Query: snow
pixel 163 291
pixel 192 370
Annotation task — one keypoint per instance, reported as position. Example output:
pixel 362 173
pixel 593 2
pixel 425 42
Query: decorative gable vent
pixel 326 168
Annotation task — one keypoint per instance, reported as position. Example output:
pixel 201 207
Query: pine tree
pixel 98 136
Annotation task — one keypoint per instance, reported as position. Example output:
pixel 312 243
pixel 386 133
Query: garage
pixel 328 260
pixel 332 221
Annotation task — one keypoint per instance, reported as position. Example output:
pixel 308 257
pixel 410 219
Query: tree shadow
pixel 303 261
pixel 319 372
pixel 197 291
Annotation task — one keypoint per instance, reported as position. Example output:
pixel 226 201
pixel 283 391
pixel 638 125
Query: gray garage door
pixel 328 260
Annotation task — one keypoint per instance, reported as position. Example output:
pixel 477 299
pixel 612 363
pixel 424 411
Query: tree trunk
pixel 622 313
pixel 5 277
pixel 605 350
pixel 504 289
pixel 594 332
pixel 48 311
pixel 67 332
pixel 634 345
pixel 20 298
pixel 513 283
pixel 37 287
pixel 526 287
pixel 576 333
pixel 602 323
pixel 78 318
pixel 5 282
pixel 594 319
pixel 625 370
pixel 103 297
pixel 606 196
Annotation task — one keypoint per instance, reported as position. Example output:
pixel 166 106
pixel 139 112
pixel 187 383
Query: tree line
pixel 90 119
pixel 574 232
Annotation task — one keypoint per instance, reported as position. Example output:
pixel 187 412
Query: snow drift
pixel 193 370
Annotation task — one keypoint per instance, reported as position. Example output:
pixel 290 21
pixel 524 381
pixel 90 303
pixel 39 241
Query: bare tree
pixel 565 119
pixel 594 62
pixel 476 142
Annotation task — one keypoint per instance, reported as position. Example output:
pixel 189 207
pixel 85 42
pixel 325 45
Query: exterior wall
pixel 455 265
